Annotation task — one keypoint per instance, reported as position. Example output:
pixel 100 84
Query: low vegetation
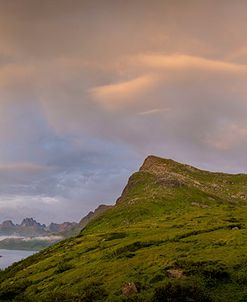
pixel 176 234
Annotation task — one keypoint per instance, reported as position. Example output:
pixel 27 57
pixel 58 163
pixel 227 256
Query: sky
pixel 89 88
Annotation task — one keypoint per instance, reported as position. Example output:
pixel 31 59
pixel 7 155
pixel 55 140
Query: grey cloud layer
pixel 89 88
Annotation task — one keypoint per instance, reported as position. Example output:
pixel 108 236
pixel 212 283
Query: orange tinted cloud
pixel 185 62
pixel 115 96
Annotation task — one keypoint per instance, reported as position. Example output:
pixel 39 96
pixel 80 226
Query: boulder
pixel 129 289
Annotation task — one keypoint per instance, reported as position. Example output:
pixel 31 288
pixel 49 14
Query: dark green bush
pixel 60 296
pixel 93 292
pixel 157 278
pixel 10 292
pixel 62 267
pixel 135 246
pixel 212 271
pixel 215 274
pixel 115 235
pixel 180 292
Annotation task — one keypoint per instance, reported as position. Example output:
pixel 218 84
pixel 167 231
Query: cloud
pixel 239 54
pixel 23 167
pixel 229 137
pixel 153 111
pixel 15 73
pixel 118 95
pixel 189 62
pixel 42 208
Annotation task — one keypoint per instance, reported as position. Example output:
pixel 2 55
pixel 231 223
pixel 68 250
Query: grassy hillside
pixel 176 234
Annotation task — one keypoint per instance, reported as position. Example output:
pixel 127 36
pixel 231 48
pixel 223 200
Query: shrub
pixel 60 296
pixel 62 267
pixel 180 292
pixel 93 292
pixel 13 290
pixel 115 235
pixel 212 271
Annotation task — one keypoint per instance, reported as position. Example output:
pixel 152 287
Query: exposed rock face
pixel 150 162
pixel 169 182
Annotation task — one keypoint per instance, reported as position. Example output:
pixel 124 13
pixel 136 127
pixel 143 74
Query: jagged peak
pixel 27 222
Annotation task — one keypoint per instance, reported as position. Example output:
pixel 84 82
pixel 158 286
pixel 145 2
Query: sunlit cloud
pixel 238 54
pixel 118 95
pixel 189 62
pixel 154 111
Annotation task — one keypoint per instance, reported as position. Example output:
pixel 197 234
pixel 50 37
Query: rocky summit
pixel 177 233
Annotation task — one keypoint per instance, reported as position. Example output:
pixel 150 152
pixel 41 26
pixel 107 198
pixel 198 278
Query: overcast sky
pixel 89 88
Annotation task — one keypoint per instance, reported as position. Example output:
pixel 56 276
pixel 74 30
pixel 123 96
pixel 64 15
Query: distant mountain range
pixel 75 229
pixel 32 235
pixel 30 227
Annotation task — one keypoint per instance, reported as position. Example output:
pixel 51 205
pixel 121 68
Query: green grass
pixel 170 217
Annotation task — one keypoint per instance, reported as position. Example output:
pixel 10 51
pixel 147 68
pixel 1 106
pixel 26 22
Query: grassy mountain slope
pixel 75 230
pixel 177 233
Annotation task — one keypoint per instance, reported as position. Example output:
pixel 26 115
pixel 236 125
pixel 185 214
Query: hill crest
pixel 176 230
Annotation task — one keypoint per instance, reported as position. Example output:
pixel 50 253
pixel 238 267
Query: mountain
pixel 31 235
pixel 7 228
pixel 93 214
pixel 30 227
pixel 76 228
pixel 62 227
pixel 177 233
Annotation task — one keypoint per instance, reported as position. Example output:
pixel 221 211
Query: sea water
pixel 8 257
